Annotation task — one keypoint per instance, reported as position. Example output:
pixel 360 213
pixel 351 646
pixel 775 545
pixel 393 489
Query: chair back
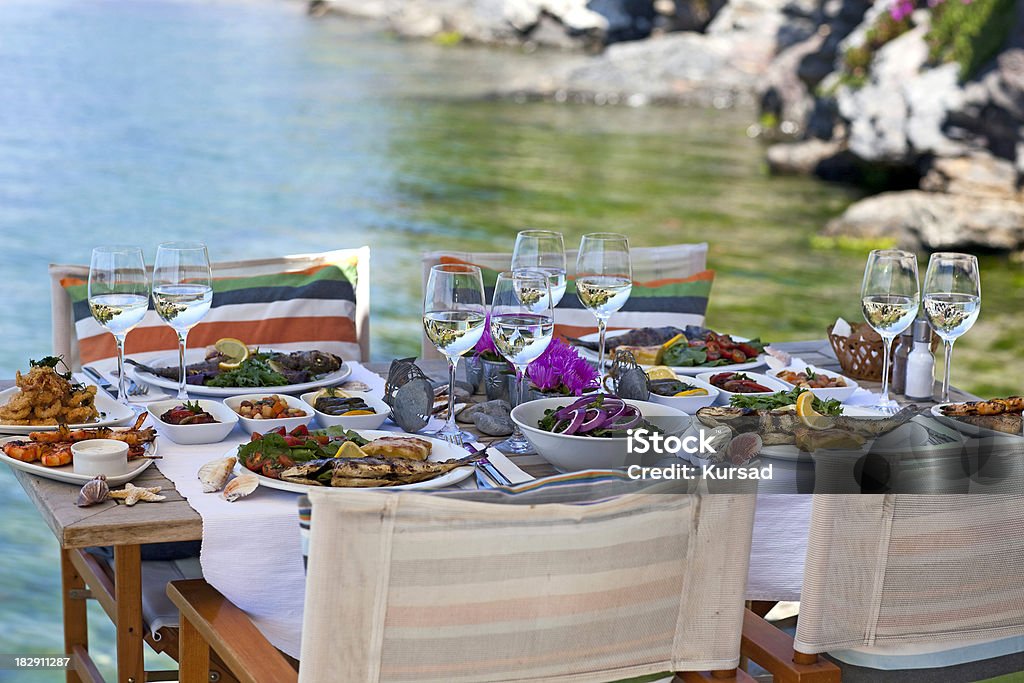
pixel 289 302
pixel 908 569
pixel 450 588
pixel 671 286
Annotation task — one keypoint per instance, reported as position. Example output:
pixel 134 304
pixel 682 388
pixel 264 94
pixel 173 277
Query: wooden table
pixel 174 520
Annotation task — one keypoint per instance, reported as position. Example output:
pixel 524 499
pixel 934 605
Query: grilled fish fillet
pixel 779 427
pixel 389 470
pixel 399 447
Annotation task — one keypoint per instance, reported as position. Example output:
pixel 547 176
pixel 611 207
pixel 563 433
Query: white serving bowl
pixel 689 404
pixel 838 393
pixel 724 397
pixel 569 453
pixel 352 421
pixel 189 435
pixel 262 426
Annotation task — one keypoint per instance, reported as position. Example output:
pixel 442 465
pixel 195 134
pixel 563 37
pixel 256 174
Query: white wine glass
pixel 890 297
pixel 952 301
pixel 522 322
pixel 118 297
pixel 604 280
pixel 454 312
pixel 182 293
pixel 542 251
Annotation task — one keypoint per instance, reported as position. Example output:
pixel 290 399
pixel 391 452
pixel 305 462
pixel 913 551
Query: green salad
pixel 781 399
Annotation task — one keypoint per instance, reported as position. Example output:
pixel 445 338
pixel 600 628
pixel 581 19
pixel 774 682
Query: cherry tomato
pixel 738 356
pixel 301 430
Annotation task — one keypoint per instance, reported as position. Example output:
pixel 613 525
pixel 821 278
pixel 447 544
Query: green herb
pixel 254 371
pixel 53 362
pixel 193 407
pixel 781 399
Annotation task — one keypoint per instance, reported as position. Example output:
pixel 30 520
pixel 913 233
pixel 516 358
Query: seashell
pixel 94 491
pixel 355 385
pixel 240 487
pixel 743 448
pixel 214 474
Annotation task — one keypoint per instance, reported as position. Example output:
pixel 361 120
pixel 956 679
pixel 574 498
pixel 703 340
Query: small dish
pixel 724 397
pixel 262 426
pixel 190 435
pixel 840 394
pixel 94 457
pixel 688 404
pixel 352 421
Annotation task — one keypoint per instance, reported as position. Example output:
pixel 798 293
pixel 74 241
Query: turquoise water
pixel 263 132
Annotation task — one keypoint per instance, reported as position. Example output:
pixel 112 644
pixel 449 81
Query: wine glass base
pixel 514 446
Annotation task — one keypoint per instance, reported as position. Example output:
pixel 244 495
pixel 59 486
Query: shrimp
pixel 134 436
pixel 56 456
pixel 25 451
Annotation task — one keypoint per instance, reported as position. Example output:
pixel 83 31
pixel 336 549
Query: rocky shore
pixel 925 100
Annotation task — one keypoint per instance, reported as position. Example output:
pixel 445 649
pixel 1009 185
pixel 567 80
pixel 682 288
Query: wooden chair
pixel 908 582
pixel 286 302
pixel 671 286
pixel 452 588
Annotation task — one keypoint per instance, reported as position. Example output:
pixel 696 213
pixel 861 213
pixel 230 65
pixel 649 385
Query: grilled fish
pixel 297 367
pixel 779 427
pixel 644 336
pixel 371 471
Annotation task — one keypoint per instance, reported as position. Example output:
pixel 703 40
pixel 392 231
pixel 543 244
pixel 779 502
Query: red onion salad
pixel 602 415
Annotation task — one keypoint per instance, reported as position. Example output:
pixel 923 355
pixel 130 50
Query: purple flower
pixel 561 369
pixel 901 9
pixel 485 347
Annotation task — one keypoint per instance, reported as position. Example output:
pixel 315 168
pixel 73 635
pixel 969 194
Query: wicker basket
pixel 860 357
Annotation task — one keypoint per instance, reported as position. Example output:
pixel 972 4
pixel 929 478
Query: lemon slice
pixel 358 412
pixel 330 392
pixel 235 350
pixel 808 415
pixel 693 392
pixel 664 347
pixel 661 372
pixel 350 450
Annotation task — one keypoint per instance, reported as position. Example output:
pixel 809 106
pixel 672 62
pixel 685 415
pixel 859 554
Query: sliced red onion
pixel 594 419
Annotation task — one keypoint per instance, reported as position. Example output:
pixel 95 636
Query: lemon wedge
pixel 360 411
pixel 661 372
pixel 808 415
pixel 235 350
pixel 350 450
pixel 697 391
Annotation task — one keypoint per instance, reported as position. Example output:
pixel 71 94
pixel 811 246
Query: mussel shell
pixel 338 405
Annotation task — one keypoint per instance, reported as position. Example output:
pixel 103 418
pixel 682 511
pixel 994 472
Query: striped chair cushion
pixel 289 302
pixel 671 286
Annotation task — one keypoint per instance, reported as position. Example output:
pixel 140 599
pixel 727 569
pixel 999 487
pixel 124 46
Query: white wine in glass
pixel 118 297
pixel 522 324
pixel 952 301
pixel 890 297
pixel 182 293
pixel 604 280
pixel 542 251
pixel 454 313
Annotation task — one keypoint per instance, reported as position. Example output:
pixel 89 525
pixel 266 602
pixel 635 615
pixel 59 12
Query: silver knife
pixel 101 381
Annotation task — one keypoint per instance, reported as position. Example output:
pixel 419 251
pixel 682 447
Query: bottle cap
pixel 922 330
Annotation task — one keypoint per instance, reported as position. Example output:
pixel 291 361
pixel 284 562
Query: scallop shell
pixel 214 474
pixel 240 487
pixel 94 491
pixel 355 385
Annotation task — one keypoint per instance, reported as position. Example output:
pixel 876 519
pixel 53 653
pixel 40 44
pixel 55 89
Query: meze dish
pixel 53 449
pixel 272 407
pixel 198 421
pixel 811 379
pixel 344 458
pixel 188 413
pixel 601 415
pixel 46 396
pixel 999 414
pixel 690 347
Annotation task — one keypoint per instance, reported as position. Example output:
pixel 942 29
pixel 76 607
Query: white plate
pixel 66 473
pixel 440 450
pixel 963 427
pixel 196 355
pixel 679 369
pixel 112 414
pixel 725 397
pixel 840 394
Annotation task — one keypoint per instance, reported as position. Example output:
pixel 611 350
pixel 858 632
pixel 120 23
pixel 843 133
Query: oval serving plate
pixel 112 414
pixel 66 473
pixel 439 451
pixel 691 370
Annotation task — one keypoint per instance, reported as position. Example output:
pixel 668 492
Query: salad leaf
pixel 781 399
pixel 253 372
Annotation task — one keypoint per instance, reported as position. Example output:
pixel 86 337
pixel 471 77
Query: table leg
pixel 128 594
pixel 76 627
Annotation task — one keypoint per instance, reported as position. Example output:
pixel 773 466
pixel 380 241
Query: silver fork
pixel 136 389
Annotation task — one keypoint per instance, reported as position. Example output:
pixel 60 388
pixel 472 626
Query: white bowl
pixel 188 435
pixel 724 397
pixel 94 457
pixel 689 404
pixel 570 453
pixel 352 421
pixel 262 426
pixel 838 393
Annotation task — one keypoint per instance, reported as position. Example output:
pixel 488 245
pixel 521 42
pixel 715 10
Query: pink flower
pixel 901 9
pixel 561 369
pixel 485 347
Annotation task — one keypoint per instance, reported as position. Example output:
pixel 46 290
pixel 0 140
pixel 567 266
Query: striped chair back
pixel 908 570
pixel 476 586
pixel 290 302
pixel 671 286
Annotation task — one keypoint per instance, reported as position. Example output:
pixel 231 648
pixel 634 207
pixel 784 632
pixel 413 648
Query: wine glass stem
pixel 517 434
pixel 948 344
pixel 886 352
pixel 182 337
pixel 450 427
pixel 122 395
pixel 602 325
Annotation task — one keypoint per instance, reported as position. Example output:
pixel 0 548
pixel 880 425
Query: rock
pixel 802 157
pixel 491 417
pixel 935 221
pixel 977 173
pixel 930 98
